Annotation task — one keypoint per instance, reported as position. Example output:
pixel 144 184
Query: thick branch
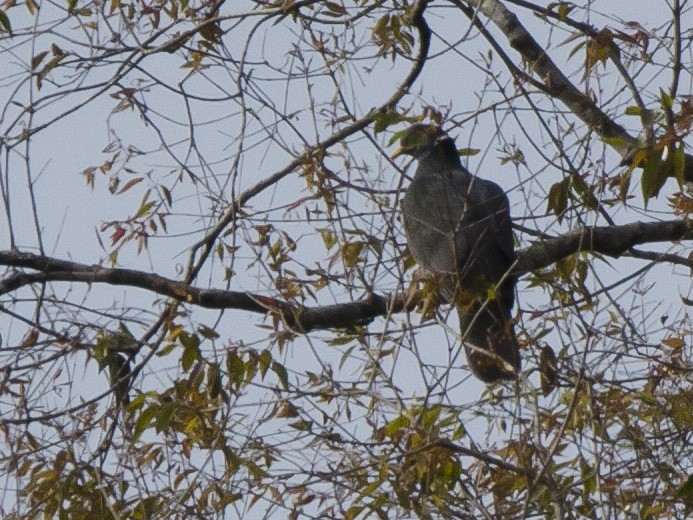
pixel 608 240
pixel 556 84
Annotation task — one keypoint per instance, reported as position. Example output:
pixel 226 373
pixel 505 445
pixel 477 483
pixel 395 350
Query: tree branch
pixel 556 84
pixel 608 240
pixel 205 246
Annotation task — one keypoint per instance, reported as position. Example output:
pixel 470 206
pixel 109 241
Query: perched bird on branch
pixel 458 228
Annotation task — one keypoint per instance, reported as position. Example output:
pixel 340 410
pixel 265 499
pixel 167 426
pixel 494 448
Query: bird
pixel 458 228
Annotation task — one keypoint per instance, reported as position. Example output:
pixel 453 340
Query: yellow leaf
pixel 674 343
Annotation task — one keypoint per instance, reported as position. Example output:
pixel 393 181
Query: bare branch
pixel 557 85
pixel 195 262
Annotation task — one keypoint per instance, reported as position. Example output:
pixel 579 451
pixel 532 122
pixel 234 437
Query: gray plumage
pixel 458 226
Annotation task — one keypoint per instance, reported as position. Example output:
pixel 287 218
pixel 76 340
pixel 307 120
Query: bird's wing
pixel 496 208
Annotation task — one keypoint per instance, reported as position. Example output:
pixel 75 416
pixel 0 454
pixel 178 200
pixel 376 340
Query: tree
pixel 208 308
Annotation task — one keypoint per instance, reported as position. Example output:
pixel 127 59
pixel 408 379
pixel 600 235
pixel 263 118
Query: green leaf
pixel 393 427
pixel 302 426
pixel 467 152
pixel 564 9
pixel 584 191
pixel 214 380
pixel 589 477
pixel 265 362
pixel 143 422
pixel 680 164
pixel 49 67
pixel 282 374
pixel 5 23
pixel 685 492
pixel 665 99
pixel 235 368
pixel 383 120
pixel 558 198
pixel 191 354
pixel 654 175
pixel 614 141
pixel 328 237
pixel 350 253
pixel 207 333
pixel 145 209
pixel 188 340
pixel 430 416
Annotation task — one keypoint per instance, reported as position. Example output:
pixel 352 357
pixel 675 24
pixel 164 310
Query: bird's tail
pixel 489 338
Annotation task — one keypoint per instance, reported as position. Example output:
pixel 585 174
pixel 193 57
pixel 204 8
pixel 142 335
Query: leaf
pixel 211 32
pixel 675 343
pixel 383 120
pixel 654 175
pixel 564 9
pixel 685 492
pixel 350 253
pixel 191 354
pixel 36 60
pixel 665 99
pixel 30 338
pixel 282 374
pixel 117 235
pixel 302 426
pixel 686 301
pixel 207 332
pixel 558 198
pixel 328 237
pixel 381 25
pixel 49 67
pixel 130 184
pixel 430 416
pixel 31 6
pixel 335 9
pixel 214 380
pixel 614 141
pixel 584 191
pixel 393 427
pixel 144 209
pixel 548 371
pixel 680 164
pixel 143 422
pixel 5 23
pixel 467 152
pixel 589 477
pixel 235 368
pixel 265 362
pixel 167 195
pixel 577 48
pixel 397 136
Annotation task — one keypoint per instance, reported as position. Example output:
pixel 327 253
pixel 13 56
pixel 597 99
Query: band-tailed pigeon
pixel 458 227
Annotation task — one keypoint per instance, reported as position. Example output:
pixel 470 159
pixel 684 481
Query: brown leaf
pixel 548 370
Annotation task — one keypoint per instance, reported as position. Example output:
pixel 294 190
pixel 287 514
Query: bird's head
pixel 423 140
